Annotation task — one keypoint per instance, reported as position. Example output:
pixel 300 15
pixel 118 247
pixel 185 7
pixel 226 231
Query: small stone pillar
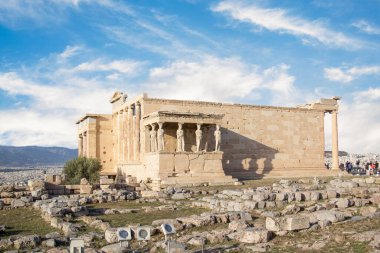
pixel 335 148
pixel 160 137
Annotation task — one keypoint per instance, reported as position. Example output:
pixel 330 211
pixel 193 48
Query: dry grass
pixel 22 221
pixel 142 218
pixel 289 242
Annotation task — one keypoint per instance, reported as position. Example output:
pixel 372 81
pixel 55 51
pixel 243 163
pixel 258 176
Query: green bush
pixel 82 167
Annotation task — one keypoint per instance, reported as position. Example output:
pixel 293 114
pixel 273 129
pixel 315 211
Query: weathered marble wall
pixel 258 140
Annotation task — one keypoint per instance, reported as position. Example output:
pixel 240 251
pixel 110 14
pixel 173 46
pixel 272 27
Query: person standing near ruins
pixel 198 137
pixel 180 139
pixel 218 138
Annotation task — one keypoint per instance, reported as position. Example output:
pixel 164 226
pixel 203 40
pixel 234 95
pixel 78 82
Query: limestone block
pixel 260 196
pixel 153 194
pixel 197 162
pixel 84 181
pixel 331 194
pixel 197 221
pixel 111 235
pixel 287 223
pixel 281 196
pixel 114 248
pixel 343 203
pixel 255 235
pixel 315 196
pixel 86 189
pixel 36 184
pixel 106 181
pixel 166 163
pixel 299 196
pixel 30 241
pixel 333 216
pixel 367 210
pixel 181 163
pixel 17 203
pixel 375 199
pixel 213 165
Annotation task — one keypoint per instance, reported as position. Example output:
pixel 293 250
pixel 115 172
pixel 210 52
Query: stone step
pixel 220 180
pixel 307 172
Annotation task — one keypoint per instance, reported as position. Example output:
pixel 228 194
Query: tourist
pixel 349 167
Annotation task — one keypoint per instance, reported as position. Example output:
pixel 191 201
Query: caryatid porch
pixel 184 146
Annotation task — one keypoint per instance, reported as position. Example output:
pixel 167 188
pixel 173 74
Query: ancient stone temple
pixel 180 141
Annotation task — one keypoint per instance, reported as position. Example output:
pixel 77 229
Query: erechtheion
pixel 179 141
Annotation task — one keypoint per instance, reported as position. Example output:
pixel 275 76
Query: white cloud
pixel 122 66
pixel 54 97
pixel 70 51
pixel 29 127
pixel 279 20
pixel 24 13
pixel 366 27
pixel 359 122
pixel 73 93
pixel 218 79
pixel 337 75
pixel 350 74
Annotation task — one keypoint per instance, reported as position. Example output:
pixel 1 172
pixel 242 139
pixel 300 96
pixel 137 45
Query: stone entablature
pixel 182 117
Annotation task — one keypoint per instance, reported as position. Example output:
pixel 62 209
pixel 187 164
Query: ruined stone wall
pixel 260 141
pixel 104 143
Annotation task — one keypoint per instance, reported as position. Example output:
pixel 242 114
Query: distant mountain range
pixel 35 156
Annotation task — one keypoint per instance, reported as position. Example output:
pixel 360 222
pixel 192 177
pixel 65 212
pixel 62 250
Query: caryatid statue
pixel 180 139
pixel 198 137
pixel 218 138
pixel 153 139
pixel 160 137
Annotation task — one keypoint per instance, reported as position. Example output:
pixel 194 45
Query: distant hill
pixel 341 153
pixel 35 156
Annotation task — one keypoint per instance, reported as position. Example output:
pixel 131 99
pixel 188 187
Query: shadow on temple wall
pixel 245 158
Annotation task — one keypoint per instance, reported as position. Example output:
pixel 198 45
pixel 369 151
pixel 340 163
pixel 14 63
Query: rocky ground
pixel 21 175
pixel 297 215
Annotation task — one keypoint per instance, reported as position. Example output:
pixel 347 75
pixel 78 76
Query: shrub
pixel 82 167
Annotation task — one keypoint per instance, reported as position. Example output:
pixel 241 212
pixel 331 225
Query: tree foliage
pixel 82 167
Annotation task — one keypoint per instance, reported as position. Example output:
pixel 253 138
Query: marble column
pixel 119 135
pixel 84 144
pixel 136 143
pixel 130 132
pixel 80 145
pixel 335 148
pixel 125 134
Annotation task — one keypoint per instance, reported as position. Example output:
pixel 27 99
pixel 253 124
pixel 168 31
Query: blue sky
pixel 60 59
